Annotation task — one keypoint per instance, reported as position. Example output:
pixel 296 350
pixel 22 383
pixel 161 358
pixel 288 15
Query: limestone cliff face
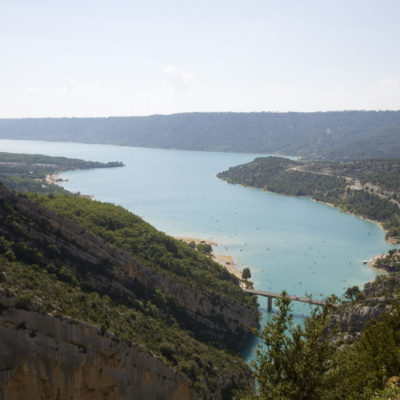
pixel 375 299
pixel 106 269
pixel 353 319
pixel 46 358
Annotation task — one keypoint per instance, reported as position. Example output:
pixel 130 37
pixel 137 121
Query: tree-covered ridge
pixel 384 174
pixel 280 175
pixel 167 296
pixel 368 188
pixel 38 165
pixel 28 172
pixel 198 292
pixel 329 135
pixel 129 232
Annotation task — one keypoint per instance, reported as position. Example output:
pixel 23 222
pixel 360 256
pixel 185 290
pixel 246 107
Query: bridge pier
pixel 269 304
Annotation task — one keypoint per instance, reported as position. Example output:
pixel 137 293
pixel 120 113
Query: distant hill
pixel 327 135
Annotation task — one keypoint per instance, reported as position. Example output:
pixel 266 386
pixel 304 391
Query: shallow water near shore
pixel 289 243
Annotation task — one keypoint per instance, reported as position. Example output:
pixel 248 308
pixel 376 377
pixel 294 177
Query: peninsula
pixel 38 173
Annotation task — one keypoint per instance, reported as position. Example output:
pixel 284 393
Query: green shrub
pixel 24 301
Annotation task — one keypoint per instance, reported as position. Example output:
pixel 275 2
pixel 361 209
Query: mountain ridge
pixel 319 135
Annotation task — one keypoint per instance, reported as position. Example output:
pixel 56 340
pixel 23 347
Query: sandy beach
pixel 54 178
pixel 187 239
pixel 372 261
pixel 227 262
pixel 224 260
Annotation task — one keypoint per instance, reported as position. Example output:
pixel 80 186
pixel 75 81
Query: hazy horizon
pixel 198 112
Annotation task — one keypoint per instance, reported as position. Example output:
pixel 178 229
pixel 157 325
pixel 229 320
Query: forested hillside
pixel 368 188
pixel 114 271
pixel 327 135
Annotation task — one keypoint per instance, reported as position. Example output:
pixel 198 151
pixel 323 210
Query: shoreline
pixel 187 239
pixel 371 261
pixel 228 263
pixel 225 260
pixel 387 269
pixel 380 224
pixel 54 179
pixel 387 240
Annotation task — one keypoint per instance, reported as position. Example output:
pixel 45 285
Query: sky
pixel 116 58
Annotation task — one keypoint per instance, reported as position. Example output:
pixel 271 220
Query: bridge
pixel 272 295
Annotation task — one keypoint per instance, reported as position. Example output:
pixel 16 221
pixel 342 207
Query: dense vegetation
pixel 30 185
pixel 383 173
pixel 51 264
pixel 390 262
pixel 28 172
pixel 307 363
pixel 328 135
pixel 368 188
pixel 129 232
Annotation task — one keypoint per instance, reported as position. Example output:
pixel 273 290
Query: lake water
pixel 289 243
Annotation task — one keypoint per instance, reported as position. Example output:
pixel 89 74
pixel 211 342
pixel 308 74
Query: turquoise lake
pixel 289 243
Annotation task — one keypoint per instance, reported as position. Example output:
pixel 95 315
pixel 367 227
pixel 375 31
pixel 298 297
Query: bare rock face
pixel 375 299
pixel 353 319
pixel 44 357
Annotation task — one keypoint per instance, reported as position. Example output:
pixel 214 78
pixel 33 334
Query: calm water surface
pixel 289 243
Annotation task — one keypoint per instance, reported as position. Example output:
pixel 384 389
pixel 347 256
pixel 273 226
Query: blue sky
pixel 116 57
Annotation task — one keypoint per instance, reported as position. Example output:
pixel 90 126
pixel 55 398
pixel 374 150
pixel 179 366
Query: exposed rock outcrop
pixel 44 357
pixel 354 318
pixel 375 299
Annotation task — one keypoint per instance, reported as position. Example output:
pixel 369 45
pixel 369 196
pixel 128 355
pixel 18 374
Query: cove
pixel 289 243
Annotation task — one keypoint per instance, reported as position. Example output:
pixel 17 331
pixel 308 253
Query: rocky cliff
pixel 43 357
pixel 376 298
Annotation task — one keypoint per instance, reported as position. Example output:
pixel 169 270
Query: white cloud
pixel 35 91
pixel 178 79
pixel 69 86
pixel 72 86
